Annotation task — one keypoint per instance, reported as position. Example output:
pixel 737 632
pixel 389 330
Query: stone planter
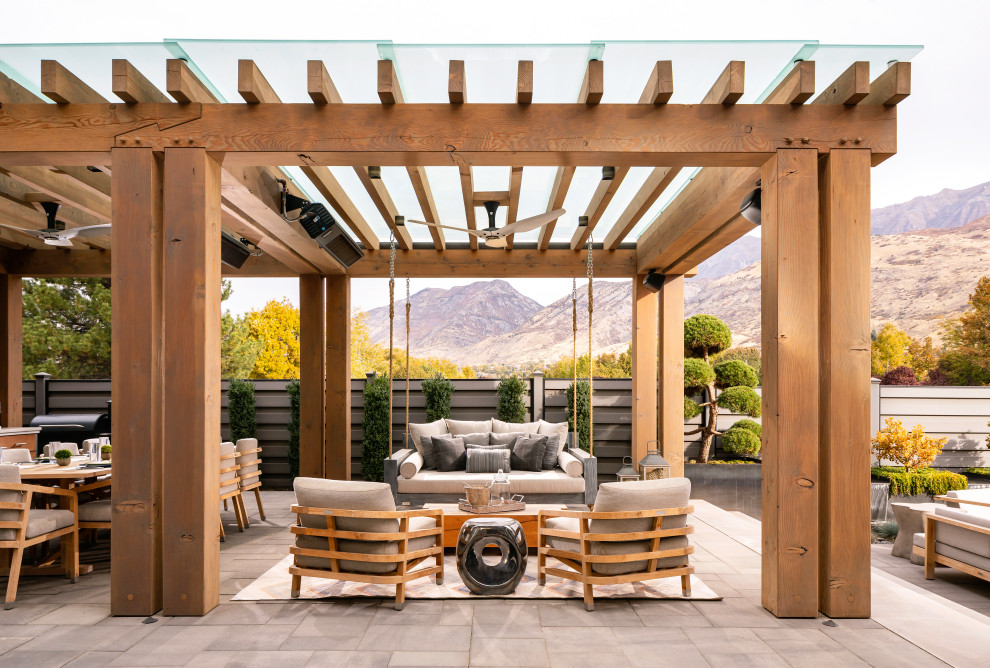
pixel 64 461
pixel 880 510
pixel 728 486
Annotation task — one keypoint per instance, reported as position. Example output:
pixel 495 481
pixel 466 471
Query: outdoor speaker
pixel 653 281
pixel 234 252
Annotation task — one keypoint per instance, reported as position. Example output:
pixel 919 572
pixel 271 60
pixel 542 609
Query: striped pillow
pixel 485 460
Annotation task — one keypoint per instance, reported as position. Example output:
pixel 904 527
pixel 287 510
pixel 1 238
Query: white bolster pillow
pixel 572 465
pixel 411 466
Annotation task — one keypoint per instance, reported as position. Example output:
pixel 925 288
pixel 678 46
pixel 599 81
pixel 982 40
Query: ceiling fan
pixel 56 234
pixel 494 237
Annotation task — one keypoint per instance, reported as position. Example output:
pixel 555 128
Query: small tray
pixel 511 507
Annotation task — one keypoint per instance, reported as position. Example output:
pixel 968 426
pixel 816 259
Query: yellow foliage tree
pixel 276 326
pixel 366 355
pixel 911 449
pixel 889 349
pixel 922 356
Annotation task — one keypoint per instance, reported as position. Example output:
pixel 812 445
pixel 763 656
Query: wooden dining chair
pixel 249 459
pixel 16 456
pixel 22 526
pixel 94 505
pixel 230 485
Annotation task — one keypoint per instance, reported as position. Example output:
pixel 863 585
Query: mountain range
pixel 925 263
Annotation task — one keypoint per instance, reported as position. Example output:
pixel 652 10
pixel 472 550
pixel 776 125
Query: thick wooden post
pixel 790 383
pixel 844 500
pixel 671 325
pixel 338 432
pixel 192 381
pixel 644 368
pixel 11 368
pixel 136 382
pixel 312 374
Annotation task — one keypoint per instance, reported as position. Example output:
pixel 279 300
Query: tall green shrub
pixel 511 406
pixel 292 387
pixel 241 410
pixel 437 391
pixel 374 448
pixel 583 413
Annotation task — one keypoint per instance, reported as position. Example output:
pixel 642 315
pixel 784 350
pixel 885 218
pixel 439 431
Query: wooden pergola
pixel 171 171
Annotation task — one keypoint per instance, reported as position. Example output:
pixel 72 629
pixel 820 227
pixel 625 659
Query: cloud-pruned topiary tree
pixel 704 337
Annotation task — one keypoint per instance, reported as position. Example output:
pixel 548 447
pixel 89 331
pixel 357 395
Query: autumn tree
pixel 704 337
pixel 889 349
pixel 66 327
pixel 276 326
pixel 238 349
pixel 967 340
pixel 607 365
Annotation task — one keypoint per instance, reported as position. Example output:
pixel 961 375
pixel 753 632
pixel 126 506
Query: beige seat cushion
pixel 982 494
pixel 500 427
pixel 249 472
pixel 95 511
pixel 960 538
pixel 17 456
pixel 353 495
pixel 951 552
pixel 625 496
pixel 458 427
pixel 520 482
pixel 12 474
pixel 418 430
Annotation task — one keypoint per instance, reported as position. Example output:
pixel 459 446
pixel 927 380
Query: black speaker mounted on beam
pixel 653 281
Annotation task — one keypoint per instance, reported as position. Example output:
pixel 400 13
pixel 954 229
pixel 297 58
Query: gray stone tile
pixel 350 659
pixel 170 646
pixel 92 660
pixel 76 613
pixel 658 646
pixel 736 613
pixel 722 640
pixel 250 659
pixel 580 640
pixel 519 652
pixel 456 613
pixel 411 637
pixel 7 644
pixel 246 613
pixel 607 612
pixel 880 647
pixel 25 613
pixel 88 639
pixel 732 659
pixel 403 658
pixel 251 638
pixel 52 659
pixel 516 621
pixel 588 660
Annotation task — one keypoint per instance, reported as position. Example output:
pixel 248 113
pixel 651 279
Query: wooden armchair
pixel 361 543
pixel 618 542
pixel 22 526
pixel 230 485
pixel 956 539
pixel 249 475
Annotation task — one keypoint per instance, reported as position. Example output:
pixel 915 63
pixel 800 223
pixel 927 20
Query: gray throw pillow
pixel 506 440
pixel 475 439
pixel 487 460
pixel 527 453
pixel 555 445
pixel 449 453
pixel 426 449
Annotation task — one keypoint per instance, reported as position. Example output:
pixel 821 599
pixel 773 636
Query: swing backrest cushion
pixel 499 427
pixel 458 427
pixel 416 433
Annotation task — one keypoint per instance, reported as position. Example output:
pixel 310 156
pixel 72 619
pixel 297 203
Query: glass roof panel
pixel 537 182
pixel 446 185
pixel 831 60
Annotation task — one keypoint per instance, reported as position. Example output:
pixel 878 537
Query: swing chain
pixel 391 330
pixel 591 356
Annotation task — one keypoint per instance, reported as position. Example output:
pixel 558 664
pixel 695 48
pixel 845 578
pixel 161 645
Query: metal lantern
pixel 653 466
pixel 627 472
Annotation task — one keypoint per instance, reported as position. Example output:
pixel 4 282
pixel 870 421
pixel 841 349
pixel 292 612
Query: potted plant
pixel 105 452
pixel 63 457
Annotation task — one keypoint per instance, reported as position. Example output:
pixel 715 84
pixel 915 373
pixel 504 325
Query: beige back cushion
pixel 500 427
pixel 418 430
pixel 9 473
pixel 641 495
pixel 243 445
pixel 346 495
pixel 227 480
pixel 552 428
pixel 17 455
pixel 458 427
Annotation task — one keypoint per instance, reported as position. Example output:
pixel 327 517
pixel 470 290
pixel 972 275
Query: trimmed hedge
pixel 735 373
pixel 241 410
pixel 697 374
pixel 706 334
pixel 923 481
pixel 741 441
pixel 511 406
pixel 583 413
pixel 375 447
pixel 750 425
pixel 741 400
pixel 437 391
pixel 292 388
pixel 691 408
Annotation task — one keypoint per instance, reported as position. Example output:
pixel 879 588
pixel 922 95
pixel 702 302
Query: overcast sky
pixel 943 138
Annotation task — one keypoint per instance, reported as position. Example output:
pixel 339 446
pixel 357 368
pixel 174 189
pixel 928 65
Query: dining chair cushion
pixel 228 480
pixel 71 447
pixel 45 521
pixel 16 456
pixel 244 445
pixel 353 495
pixel 95 511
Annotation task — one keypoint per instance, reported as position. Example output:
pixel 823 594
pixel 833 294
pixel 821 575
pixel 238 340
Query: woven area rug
pixel 274 585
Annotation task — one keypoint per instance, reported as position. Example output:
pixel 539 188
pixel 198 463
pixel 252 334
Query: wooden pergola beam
pixel 328 186
pixel 890 87
pixel 596 207
pixel 22 205
pixel 62 86
pixel 11 355
pixel 386 207
pixel 524 82
pixel 593 85
pixel 656 183
pixel 12 92
pixel 319 84
pixel 798 86
pixel 729 86
pixel 133 87
pixel 253 86
pixel 467 194
pixel 850 88
pixel 183 85
pixel 456 83
pixel 489 262
pixel 660 86
pixel 515 185
pixel 425 196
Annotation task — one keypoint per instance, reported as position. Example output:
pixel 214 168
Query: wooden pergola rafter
pixel 171 175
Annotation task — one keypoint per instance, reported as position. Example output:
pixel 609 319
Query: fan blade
pixel 87 231
pixel 448 227
pixel 527 224
pixel 33 233
pixel 60 241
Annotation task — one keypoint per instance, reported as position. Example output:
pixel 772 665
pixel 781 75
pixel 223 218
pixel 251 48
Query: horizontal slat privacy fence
pixel 961 413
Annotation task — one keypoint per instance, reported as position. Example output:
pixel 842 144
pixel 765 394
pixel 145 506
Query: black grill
pixel 70 428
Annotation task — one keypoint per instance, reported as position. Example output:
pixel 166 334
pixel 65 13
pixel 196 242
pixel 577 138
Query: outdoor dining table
pixel 68 477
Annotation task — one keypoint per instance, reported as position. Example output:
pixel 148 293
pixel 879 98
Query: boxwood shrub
pixel 922 481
